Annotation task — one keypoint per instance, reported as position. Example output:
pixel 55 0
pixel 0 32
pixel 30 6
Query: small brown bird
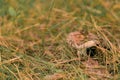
pixel 80 42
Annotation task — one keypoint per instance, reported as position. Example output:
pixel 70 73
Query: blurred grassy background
pixel 32 35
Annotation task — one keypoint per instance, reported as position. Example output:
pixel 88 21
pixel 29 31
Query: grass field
pixel 33 38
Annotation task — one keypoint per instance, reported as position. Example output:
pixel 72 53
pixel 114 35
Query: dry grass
pixel 33 38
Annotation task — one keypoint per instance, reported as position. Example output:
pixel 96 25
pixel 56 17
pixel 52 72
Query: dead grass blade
pixel 17 59
pixel 55 76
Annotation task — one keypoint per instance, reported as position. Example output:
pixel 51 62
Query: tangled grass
pixel 33 38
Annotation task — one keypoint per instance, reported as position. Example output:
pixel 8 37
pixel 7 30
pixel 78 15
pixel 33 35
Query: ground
pixel 33 42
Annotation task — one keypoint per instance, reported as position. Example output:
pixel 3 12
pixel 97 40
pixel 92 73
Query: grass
pixel 33 37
